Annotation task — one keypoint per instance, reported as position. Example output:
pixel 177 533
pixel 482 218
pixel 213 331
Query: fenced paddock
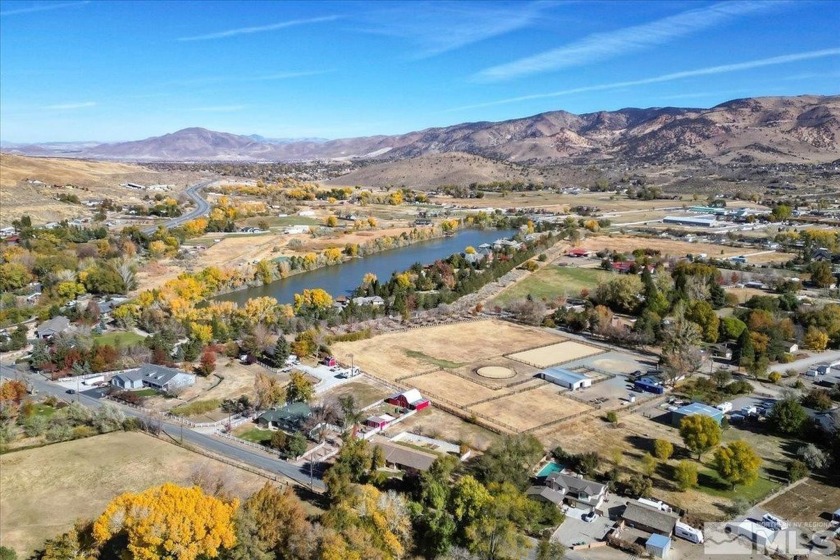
pixel 529 409
pixel 554 354
pixel 451 387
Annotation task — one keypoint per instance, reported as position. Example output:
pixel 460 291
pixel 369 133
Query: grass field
pixel 119 338
pixel 555 354
pixel 553 281
pixel 365 391
pixel 443 364
pixel 710 483
pixel 257 435
pixel 45 490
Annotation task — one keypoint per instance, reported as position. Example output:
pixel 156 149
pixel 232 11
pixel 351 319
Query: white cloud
pixel 604 46
pixel 438 27
pixel 70 106
pixel 259 28
pixel 43 8
pixel 709 71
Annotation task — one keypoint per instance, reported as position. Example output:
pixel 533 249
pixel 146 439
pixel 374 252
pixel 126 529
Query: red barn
pixel 379 421
pixel 411 399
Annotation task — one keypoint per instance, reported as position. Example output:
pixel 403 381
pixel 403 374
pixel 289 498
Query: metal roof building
pixel 565 378
pixel 696 408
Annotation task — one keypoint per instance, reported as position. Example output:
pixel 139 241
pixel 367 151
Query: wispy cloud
pixel 220 109
pixel 274 76
pixel 604 46
pixel 43 8
pixel 259 28
pixel 70 106
pixel 709 71
pixel 439 27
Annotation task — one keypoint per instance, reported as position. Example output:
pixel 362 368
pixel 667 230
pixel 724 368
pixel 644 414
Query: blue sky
pixel 107 70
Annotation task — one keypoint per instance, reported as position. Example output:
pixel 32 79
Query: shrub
pixel 774 377
pixel 612 417
pixel 797 470
pixel 543 257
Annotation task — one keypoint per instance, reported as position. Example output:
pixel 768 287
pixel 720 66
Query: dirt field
pixel 395 355
pixel 532 408
pixel 555 354
pixel 45 490
pixel 436 423
pixel 808 502
pixel 451 387
pixel 366 391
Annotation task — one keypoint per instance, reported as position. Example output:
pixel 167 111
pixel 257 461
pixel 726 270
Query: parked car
pixel 590 517
pixel 71 391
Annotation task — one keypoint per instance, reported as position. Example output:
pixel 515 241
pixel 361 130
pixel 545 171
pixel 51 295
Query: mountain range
pixel 802 129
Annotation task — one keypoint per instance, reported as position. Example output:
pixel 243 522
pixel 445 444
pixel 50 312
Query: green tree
pixel 821 274
pixel 648 464
pixel 497 534
pixel 700 433
pixel 300 388
pixel 685 475
pixel 797 470
pixel 281 352
pixel 732 327
pixel 296 445
pixel 550 550
pixel 704 316
pixel 744 353
pixel 510 459
pixel 7 553
pixel 737 463
pixel 787 415
pixel 663 449
pixel 279 440
pixel 780 212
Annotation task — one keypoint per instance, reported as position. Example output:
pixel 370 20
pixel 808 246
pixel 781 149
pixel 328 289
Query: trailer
pixel 688 533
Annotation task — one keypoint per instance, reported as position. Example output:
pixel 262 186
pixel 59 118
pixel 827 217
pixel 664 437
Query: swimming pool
pixel 550 467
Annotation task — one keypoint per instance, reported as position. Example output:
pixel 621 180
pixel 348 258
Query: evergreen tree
pixel 744 353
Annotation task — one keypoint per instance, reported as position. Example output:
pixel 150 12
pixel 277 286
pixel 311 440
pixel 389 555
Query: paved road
pixel 202 207
pixel 802 365
pixel 216 445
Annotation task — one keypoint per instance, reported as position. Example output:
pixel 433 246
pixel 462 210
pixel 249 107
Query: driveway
pixel 328 379
pixel 802 365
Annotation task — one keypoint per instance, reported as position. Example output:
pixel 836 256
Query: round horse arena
pixel 495 372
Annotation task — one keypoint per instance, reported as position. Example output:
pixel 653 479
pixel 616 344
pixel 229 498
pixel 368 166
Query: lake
pixel 341 279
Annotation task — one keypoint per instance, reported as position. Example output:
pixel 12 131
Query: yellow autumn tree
pixel 331 221
pixel 371 222
pixel 169 521
pixel 314 300
pixel 332 254
pixel 195 227
pixel 201 333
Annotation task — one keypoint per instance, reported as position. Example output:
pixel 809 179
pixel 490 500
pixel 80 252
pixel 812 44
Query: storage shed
pixel 696 408
pixel 565 378
pixel 658 546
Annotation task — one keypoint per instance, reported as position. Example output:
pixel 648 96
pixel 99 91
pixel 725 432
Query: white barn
pixel 569 379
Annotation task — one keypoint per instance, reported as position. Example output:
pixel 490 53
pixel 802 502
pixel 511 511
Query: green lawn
pixel 41 409
pixel 553 281
pixel 123 337
pixel 443 364
pixel 148 392
pixel 257 435
pixel 710 483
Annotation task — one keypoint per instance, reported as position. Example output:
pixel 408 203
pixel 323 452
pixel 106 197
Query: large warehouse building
pixel 565 378
pixel 693 221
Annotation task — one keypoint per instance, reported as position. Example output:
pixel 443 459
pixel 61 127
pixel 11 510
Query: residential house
pixel 649 519
pixel 290 418
pixel 410 400
pixel 153 376
pixel 374 301
pixel 578 492
pixel 406 459
pixel 790 347
pixel 54 326
pixel 545 494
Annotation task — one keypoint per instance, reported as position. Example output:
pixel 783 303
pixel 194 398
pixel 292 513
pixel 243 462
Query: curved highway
pixel 252 457
pixel 202 207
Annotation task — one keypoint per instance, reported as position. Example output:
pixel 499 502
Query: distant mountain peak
pixel 800 129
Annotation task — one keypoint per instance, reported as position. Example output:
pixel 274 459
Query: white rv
pixel 724 407
pixel 688 533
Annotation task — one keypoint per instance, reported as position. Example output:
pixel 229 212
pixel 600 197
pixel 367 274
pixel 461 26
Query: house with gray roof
pixel 578 491
pixel 649 519
pixel 545 494
pixel 412 461
pixel 54 326
pixel 154 376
